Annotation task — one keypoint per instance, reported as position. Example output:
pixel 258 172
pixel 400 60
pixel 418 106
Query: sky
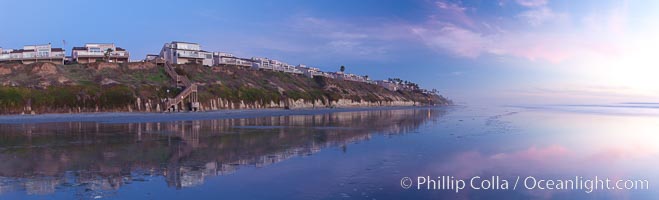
pixel 474 52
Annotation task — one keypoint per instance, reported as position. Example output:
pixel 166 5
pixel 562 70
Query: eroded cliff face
pixel 144 87
pixel 224 104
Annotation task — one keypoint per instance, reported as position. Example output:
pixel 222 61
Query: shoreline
pixel 142 117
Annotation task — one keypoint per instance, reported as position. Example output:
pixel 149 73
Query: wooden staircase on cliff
pixel 179 102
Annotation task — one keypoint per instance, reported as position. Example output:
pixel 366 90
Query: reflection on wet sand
pixel 90 157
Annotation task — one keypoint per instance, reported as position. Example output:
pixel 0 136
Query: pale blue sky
pixel 472 51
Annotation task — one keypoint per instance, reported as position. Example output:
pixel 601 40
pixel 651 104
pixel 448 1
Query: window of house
pixel 42 53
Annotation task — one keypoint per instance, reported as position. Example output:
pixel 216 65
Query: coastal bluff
pixel 145 87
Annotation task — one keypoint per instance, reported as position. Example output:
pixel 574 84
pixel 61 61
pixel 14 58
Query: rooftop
pixel 184 42
pixel 22 50
pixel 99 43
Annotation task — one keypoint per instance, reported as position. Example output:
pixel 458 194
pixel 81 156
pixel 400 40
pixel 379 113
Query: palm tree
pixel 343 68
pixel 107 54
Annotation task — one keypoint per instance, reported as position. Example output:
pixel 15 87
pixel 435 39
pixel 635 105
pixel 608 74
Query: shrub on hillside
pixel 116 96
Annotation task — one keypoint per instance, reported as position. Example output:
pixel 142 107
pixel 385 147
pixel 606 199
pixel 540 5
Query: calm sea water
pixel 362 155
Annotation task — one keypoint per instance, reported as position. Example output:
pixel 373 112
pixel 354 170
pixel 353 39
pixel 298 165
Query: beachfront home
pixel 261 63
pixel 186 52
pixel 221 58
pixel 92 52
pixel 288 69
pixel 275 65
pixel 309 71
pixel 4 54
pixel 34 53
pixel 151 57
pixel 388 85
pixel 350 77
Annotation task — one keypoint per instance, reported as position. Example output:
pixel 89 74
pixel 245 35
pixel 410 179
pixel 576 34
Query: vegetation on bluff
pixel 101 86
pixel 64 98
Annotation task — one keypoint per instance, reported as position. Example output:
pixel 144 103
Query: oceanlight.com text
pixel 586 184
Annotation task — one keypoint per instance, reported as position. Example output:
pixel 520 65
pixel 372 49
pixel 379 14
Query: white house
pixel 34 53
pixel 388 85
pixel 151 57
pixel 261 63
pixel 275 65
pixel 4 54
pixel 221 58
pixel 288 69
pixel 350 77
pixel 186 52
pixel 309 71
pixel 92 52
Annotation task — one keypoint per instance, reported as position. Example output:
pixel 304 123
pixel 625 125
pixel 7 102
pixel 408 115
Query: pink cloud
pixel 552 37
pixel 449 37
pixel 453 13
pixel 532 3
pixel 536 33
pixel 450 6
pixel 349 39
pixel 535 47
pixel 470 44
pixel 541 15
